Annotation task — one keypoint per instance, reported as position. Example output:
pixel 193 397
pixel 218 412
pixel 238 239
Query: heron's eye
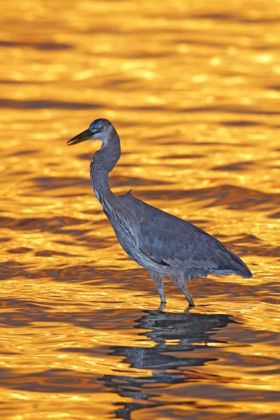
pixel 102 128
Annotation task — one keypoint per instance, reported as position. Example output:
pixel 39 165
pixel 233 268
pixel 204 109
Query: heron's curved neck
pixel 102 164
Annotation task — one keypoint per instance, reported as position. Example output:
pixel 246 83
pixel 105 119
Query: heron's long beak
pixel 85 135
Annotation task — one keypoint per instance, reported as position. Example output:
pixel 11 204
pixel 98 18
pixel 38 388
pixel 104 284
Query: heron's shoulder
pixel 128 199
pixel 139 207
pixel 151 218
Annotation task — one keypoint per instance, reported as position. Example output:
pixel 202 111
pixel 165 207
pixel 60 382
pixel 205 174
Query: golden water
pixel 193 89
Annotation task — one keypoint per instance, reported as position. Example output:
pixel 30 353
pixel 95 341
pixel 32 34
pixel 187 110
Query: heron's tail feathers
pixel 234 266
pixel 239 267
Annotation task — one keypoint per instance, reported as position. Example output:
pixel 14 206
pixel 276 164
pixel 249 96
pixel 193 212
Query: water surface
pixel 193 90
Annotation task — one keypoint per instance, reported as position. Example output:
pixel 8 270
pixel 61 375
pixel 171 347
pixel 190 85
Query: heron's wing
pixel 171 241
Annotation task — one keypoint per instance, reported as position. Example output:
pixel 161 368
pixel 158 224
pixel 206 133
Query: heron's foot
pixel 162 306
pixel 189 308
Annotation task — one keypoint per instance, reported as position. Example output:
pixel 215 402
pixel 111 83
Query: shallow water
pixel 193 90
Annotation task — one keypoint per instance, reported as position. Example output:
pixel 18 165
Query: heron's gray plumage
pixel 156 240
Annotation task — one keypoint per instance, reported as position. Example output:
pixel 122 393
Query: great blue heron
pixel 158 241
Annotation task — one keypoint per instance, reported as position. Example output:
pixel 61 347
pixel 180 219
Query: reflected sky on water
pixel 193 90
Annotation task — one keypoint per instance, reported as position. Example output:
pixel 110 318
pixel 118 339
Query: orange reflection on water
pixel 193 89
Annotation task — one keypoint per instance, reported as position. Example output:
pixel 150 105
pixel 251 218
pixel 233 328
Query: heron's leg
pixel 158 280
pixel 180 281
pixel 186 293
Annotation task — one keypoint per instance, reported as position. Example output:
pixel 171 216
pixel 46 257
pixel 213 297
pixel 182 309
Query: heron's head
pixel 98 130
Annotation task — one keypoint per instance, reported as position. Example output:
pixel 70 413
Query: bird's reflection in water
pixel 171 333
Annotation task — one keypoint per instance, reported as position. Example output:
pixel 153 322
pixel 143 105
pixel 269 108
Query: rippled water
pixel 193 89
